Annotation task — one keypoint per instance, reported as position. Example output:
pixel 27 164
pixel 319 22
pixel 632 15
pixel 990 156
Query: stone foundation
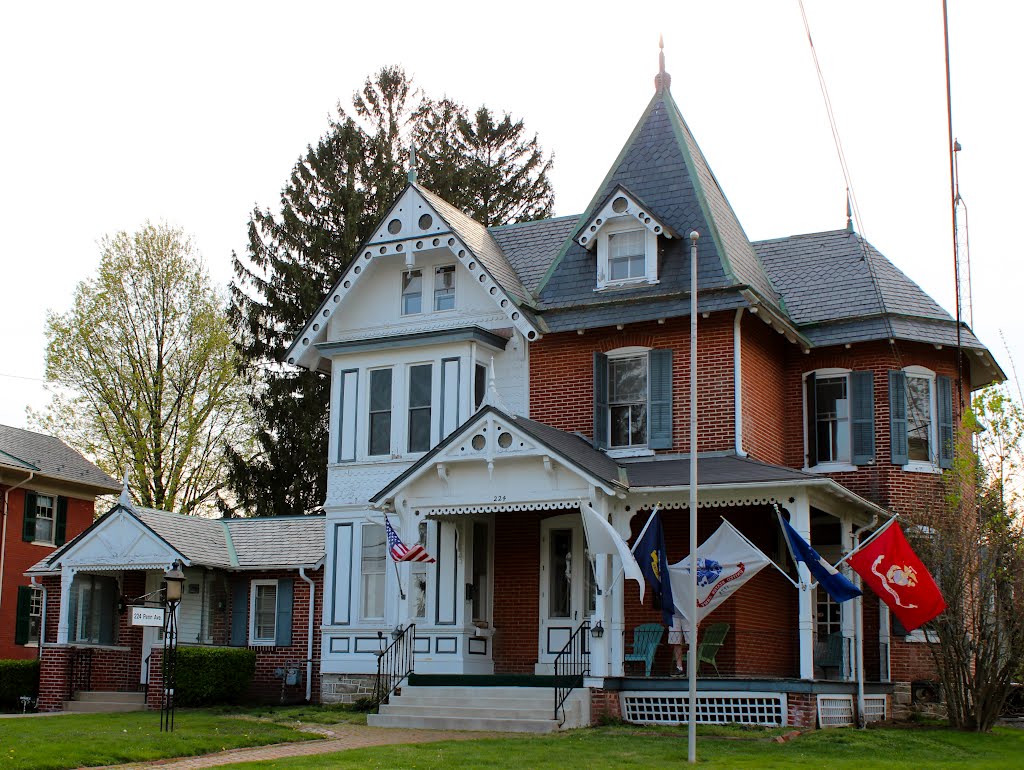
pixel 346 688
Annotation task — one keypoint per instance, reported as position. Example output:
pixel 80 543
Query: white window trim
pixel 433 288
pixel 52 519
pixel 619 225
pixel 829 467
pixel 253 641
pixel 401 292
pixel 932 464
pixel 922 636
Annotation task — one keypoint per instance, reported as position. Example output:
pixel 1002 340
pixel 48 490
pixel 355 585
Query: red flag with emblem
pixel 889 566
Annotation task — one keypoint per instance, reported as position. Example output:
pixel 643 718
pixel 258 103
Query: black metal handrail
pixel 571 665
pixel 395 664
pixel 79 670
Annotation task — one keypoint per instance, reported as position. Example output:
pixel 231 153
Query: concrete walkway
pixel 337 738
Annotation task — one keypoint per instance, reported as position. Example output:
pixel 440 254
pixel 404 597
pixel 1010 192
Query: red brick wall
pixel 562 374
pixel 517 592
pixel 762 357
pixel 21 555
pixel 803 709
pixel 604 705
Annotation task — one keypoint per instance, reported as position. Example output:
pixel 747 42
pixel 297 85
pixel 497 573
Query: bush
pixel 17 678
pixel 213 675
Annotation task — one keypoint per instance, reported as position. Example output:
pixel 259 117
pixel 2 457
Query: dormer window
pixel 412 292
pixel 625 235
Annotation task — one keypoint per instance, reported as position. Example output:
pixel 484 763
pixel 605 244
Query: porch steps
pixel 97 701
pixel 495 709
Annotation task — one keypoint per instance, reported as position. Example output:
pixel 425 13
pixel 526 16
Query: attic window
pixel 626 254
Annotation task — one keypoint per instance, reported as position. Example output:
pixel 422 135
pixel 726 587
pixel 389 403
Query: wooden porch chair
pixel 646 639
pixel 709 644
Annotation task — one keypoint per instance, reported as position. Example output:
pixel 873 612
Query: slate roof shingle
pixel 50 457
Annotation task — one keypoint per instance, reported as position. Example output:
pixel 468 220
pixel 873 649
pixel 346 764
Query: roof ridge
pixel 533 222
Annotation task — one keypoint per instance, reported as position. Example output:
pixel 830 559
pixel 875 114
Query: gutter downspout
pixel 737 383
pixel 309 634
pixel 3 536
pixel 42 618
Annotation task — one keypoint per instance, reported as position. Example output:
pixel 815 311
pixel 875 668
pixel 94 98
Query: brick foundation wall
pixel 53 678
pixel 802 710
pixel 604 705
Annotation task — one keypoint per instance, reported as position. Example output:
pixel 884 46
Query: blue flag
pixel 653 560
pixel 828 577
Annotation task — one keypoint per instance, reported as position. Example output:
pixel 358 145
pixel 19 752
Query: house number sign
pixel 148 616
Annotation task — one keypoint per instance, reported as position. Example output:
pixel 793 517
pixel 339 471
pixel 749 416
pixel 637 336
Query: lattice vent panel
pixel 874 708
pixel 835 710
pixel 720 708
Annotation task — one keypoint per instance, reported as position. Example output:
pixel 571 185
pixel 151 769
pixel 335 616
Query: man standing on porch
pixel 675 640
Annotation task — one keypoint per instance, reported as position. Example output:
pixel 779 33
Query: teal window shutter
pixel 239 613
pixel 283 632
pixel 28 527
pixel 21 618
pixel 60 529
pixel 812 419
pixel 601 400
pixel 945 407
pixel 862 417
pixel 898 418
pixel 659 407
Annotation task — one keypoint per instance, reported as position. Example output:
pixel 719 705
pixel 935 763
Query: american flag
pixel 399 551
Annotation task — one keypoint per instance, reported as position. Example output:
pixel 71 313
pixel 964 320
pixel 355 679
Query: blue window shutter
pixel 600 400
pixel 811 401
pixel 862 416
pixel 21 618
pixel 945 407
pixel 898 418
pixel 60 528
pixel 283 632
pixel 28 527
pixel 659 407
pixel 239 613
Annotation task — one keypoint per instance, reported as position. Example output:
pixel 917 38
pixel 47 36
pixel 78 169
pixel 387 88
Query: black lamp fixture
pixel 175 580
pixel 396 632
pixel 597 631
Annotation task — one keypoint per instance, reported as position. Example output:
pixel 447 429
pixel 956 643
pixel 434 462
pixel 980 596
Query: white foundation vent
pixel 835 710
pixel 747 708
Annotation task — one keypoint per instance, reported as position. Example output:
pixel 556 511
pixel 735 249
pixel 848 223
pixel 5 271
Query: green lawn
pixel 615 747
pixel 76 740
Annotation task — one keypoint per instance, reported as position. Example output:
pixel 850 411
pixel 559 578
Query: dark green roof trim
pixel 232 553
pixel 398 341
pixel 19 461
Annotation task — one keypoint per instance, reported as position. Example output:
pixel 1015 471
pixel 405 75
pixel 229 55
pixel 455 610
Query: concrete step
pixel 417 699
pixel 110 697
pixel 464 723
pixel 95 706
pixel 397 708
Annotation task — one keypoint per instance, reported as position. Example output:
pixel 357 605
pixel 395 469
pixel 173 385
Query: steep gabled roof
pixel 50 457
pixel 531 247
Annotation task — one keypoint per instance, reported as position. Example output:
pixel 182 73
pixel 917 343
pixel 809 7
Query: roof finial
pixel 412 163
pixel 849 212
pixel 662 80
pixel 126 495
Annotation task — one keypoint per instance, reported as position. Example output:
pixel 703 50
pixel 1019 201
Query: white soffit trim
pixel 410 226
pixel 619 206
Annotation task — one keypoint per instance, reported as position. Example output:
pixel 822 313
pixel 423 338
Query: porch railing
pixel 395 664
pixel 79 670
pixel 571 665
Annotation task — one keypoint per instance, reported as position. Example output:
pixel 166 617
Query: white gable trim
pixel 120 541
pixel 408 239
pixel 621 207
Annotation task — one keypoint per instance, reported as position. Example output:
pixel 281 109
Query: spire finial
pixel 849 212
pixel 662 80
pixel 126 495
pixel 412 163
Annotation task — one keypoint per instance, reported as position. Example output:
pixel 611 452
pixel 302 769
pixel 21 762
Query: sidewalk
pixel 338 738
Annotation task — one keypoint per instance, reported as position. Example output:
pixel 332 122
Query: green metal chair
pixel 646 639
pixel 710 642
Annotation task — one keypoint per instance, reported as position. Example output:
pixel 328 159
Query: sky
pixel 194 114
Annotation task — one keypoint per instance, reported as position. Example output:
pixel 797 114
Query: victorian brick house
pixel 49 495
pixel 488 382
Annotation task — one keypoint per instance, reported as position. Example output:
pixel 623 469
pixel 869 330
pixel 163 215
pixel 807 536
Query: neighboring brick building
pixel 49 496
pixel 488 383
pixel 248 582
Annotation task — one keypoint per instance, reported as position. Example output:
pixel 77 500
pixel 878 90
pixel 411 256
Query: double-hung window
pixel 263 612
pixel 45 519
pixel 839 411
pixel 45 516
pixel 420 388
pixel 633 399
pixel 921 419
pixel 444 287
pixel 626 256
pixel 380 412
pixel 373 562
pixel 28 619
pixel 412 292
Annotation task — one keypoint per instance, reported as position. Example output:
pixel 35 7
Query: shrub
pixel 213 675
pixel 17 678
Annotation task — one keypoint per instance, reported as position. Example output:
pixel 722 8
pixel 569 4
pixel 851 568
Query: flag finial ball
pixel 694 235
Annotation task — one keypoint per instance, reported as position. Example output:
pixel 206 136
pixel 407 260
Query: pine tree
pixel 337 193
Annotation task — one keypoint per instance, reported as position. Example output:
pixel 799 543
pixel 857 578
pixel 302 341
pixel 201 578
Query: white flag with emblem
pixel 725 561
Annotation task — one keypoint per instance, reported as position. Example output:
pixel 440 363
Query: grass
pixel 293 716
pixel 623 747
pixel 77 740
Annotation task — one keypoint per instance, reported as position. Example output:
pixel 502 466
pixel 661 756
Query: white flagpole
pixel 691 658
pixel 746 540
pixel 874 534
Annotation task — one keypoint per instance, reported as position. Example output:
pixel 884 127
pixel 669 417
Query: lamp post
pixel 174 581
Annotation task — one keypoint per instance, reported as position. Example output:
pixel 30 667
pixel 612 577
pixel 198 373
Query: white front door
pixel 567 588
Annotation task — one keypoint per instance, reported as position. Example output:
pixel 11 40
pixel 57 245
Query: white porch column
pixel 67 574
pixel 801 521
pixel 599 657
pixel 847 609
pixel 615 626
